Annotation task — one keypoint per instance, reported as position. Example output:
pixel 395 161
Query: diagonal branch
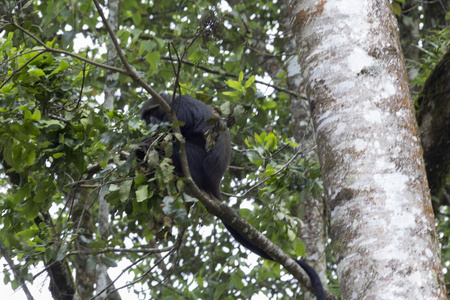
pixel 214 206
pixel 53 50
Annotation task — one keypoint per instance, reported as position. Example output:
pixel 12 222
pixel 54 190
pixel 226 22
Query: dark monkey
pixel 207 167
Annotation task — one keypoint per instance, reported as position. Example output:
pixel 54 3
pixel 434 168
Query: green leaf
pixel 153 159
pixel 109 262
pixel 48 123
pixel 237 281
pixel 26 114
pixel 50 43
pixel 270 142
pixel 232 94
pixel 240 116
pixel 241 76
pixel 196 56
pixel 27 233
pixel 161 43
pixel 269 105
pixel 257 137
pixel 61 253
pixel 147 46
pixel 189 199
pixel 140 179
pixel 142 193
pixel 234 84
pixel 36 115
pixel 84 122
pixel 226 108
pixel 181 217
pixel 168 201
pixel 249 82
pixel 255 158
pixel 245 213
pixel 137 18
pixel 31 157
pixel 36 72
pixel 397 9
pixel 153 59
pixel 269 170
pixel 22 193
pixel 124 190
pixel 299 247
pixel 6 88
pixel 291 235
pixel 30 210
pixel 123 35
pixel 63 65
pixel 219 290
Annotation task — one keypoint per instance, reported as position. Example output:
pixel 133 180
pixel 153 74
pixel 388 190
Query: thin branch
pixel 274 174
pixel 214 206
pixel 21 67
pixel 5 255
pixel 233 75
pixel 129 70
pixel 172 248
pixel 53 50
pixel 123 250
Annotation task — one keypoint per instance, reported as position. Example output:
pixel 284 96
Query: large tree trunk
pixel 103 289
pixel 312 229
pixel 382 224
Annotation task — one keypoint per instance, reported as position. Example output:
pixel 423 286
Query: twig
pixel 214 206
pixel 53 50
pixel 21 67
pixel 233 75
pixel 5 255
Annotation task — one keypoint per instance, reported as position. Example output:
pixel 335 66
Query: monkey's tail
pixel 315 279
pixel 313 276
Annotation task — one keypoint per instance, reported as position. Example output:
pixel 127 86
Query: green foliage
pixel 288 178
pixel 60 146
pixel 397 7
pixel 435 45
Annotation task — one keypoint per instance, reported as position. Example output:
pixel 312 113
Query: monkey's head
pixel 152 113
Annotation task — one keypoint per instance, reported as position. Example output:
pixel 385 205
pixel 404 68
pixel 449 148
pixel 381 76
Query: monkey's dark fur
pixel 207 167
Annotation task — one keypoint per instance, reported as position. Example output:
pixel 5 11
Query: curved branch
pixel 129 70
pixel 214 206
pixel 53 50
pixel 233 75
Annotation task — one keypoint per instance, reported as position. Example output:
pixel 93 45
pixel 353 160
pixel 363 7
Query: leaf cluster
pixel 60 147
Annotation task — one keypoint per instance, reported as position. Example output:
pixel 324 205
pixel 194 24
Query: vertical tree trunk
pixel 382 224
pixel 409 38
pixel 312 229
pixel 103 279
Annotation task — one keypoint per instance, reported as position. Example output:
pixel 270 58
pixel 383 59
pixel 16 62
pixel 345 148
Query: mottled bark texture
pixel 382 224
pixel 312 229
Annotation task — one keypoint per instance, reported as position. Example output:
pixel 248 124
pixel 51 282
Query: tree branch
pixel 214 206
pixel 19 278
pixel 53 50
